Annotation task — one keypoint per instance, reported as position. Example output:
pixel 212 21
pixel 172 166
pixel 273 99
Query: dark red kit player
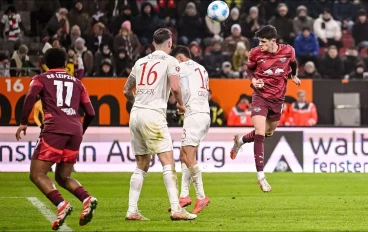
pixel 60 139
pixel 269 66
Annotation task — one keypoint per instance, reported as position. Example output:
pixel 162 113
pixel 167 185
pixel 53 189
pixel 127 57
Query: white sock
pixel 240 140
pixel 196 175
pixel 136 183
pixel 60 204
pixel 171 182
pixel 260 175
pixel 185 180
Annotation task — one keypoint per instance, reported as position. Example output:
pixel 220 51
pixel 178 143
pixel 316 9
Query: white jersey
pixel 152 74
pixel 194 85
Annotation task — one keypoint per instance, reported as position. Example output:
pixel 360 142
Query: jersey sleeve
pixel 252 62
pixel 134 71
pixel 173 68
pixel 292 55
pixel 35 88
pixel 84 95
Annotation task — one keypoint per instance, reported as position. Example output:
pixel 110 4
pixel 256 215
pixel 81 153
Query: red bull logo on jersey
pixel 270 72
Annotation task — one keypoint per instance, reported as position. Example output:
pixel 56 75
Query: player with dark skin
pixel 61 136
pixel 269 66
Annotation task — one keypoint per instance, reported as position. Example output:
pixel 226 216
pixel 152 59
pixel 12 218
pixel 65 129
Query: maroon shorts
pixel 271 110
pixel 57 148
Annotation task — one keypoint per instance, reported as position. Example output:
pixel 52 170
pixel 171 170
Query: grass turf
pixel 298 202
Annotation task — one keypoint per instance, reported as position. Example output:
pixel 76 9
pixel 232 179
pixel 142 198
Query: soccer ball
pixel 281 166
pixel 218 11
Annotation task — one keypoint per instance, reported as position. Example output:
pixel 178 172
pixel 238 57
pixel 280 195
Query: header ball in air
pixel 218 11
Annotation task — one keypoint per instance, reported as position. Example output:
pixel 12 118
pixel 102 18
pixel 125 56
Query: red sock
pixel 55 197
pixel 248 138
pixel 81 193
pixel 259 152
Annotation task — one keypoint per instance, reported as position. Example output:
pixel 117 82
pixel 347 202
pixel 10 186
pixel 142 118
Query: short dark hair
pixel 179 49
pixel 161 35
pixel 55 58
pixel 305 29
pixel 267 32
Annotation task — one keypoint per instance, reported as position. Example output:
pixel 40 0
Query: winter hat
pixel 253 9
pixel 310 64
pixel 234 11
pixel 226 63
pixel 282 5
pixel 301 8
pixel 190 5
pixel 127 25
pixel 235 26
pixel 362 12
pixel 106 61
pixel 63 10
pixel 3 56
pixel 80 39
pixel 23 49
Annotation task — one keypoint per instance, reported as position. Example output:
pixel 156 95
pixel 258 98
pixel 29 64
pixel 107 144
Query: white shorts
pixel 149 134
pixel 195 128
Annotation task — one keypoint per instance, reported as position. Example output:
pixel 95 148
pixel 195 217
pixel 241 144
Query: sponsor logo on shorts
pixel 69 111
pixel 257 109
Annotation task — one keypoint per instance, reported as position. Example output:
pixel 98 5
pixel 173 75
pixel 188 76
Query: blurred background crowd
pixel 103 38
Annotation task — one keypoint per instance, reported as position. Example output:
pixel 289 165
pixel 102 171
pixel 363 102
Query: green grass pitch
pixel 298 202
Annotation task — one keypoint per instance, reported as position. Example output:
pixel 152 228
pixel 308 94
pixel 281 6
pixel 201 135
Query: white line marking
pixel 50 216
pixel 12 197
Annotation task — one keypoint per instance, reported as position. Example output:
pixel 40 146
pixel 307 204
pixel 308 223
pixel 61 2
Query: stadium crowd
pixel 103 38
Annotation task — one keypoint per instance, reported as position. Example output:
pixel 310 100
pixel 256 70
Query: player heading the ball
pixel 269 66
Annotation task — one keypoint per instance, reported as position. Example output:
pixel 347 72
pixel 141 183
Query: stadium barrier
pixel 108 149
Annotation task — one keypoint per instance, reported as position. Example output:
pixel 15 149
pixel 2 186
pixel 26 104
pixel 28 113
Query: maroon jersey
pixel 274 69
pixel 61 95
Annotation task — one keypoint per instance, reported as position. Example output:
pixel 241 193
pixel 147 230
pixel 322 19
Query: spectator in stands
pixel 216 112
pixel 190 26
pixel 233 19
pixel 171 110
pixel 58 24
pixel 229 44
pixel 302 20
pixel 252 23
pixel 121 61
pixel 78 16
pixel 196 52
pixel 331 65
pixel 317 7
pixel 306 47
pixel 55 43
pixel 213 61
pixel 86 55
pixel 127 39
pixel 327 30
pixel 283 24
pixel 168 13
pixel 128 69
pixel 243 70
pixel 310 71
pixel 227 71
pixel 41 13
pixel 99 38
pixel 269 8
pixel 74 64
pixel 38 114
pixel 11 24
pixel 303 113
pixel 358 72
pixel 240 114
pixel 146 24
pixel 4 65
pixel 20 63
pixel 106 69
pixel 69 40
pixel 294 5
pixel 118 20
pixel 344 11
pixel 285 119
pixel 116 7
pixel 360 31
pixel 240 55
pixel 350 60
pixel 102 54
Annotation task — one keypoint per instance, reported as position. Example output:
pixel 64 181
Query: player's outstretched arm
pixel 34 89
pixel 128 88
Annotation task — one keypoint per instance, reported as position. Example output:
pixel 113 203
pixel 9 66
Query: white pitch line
pixel 50 216
pixel 13 197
